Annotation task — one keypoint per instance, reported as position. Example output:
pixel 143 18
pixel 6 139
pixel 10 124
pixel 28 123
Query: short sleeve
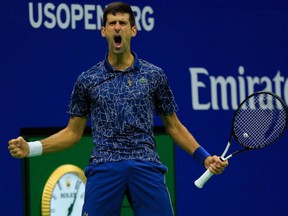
pixel 79 104
pixel 164 99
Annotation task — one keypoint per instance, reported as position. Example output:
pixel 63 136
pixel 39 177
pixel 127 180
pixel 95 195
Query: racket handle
pixel 203 178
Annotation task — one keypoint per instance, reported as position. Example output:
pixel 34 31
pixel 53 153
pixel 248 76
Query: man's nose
pixel 117 27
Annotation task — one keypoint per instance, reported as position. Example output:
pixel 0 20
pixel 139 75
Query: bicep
pixel 171 123
pixel 76 126
pixel 179 133
pixel 67 137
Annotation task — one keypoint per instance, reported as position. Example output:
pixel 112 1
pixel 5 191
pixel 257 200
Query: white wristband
pixel 35 148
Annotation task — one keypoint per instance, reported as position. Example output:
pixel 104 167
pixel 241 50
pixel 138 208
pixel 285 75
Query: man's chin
pixel 118 51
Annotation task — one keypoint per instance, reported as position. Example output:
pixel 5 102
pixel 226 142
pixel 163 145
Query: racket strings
pixel 259 121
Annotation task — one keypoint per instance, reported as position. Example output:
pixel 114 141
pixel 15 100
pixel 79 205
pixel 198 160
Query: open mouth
pixel 117 40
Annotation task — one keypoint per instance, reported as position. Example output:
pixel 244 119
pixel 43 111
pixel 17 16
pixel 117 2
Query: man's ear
pixel 103 31
pixel 134 31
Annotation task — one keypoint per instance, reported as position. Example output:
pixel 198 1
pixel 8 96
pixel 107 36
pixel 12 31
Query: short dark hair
pixel 119 7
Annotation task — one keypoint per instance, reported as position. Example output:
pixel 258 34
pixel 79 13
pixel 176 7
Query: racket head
pixel 260 120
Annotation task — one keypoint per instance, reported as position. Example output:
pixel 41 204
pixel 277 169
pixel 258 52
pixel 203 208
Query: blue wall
pixel 197 43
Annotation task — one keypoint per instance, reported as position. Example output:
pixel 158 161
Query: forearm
pixel 183 138
pixel 65 138
pixel 179 133
pixel 62 140
pixel 186 141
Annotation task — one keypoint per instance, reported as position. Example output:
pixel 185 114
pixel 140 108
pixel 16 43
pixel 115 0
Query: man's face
pixel 118 32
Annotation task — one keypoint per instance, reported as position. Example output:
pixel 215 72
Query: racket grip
pixel 203 178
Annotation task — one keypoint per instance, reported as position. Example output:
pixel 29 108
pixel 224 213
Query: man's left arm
pixel 182 137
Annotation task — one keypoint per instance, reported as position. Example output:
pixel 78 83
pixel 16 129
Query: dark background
pixel 39 68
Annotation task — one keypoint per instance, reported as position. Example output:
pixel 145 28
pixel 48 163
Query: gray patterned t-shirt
pixel 121 105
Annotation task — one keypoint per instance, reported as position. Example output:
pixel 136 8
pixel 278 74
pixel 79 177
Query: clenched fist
pixel 18 148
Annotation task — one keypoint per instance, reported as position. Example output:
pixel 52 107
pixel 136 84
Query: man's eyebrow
pixel 116 20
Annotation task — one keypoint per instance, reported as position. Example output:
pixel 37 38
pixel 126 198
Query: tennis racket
pixel 258 122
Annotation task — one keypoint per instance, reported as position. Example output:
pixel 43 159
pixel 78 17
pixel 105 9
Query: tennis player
pixel 120 94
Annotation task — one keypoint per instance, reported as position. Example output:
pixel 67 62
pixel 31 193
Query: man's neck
pixel 121 61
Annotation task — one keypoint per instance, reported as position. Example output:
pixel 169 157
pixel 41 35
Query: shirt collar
pixel 136 64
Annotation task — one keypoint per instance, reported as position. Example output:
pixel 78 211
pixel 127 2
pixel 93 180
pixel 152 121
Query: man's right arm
pixel 64 139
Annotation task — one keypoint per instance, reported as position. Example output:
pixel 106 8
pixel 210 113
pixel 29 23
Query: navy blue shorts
pixel 142 182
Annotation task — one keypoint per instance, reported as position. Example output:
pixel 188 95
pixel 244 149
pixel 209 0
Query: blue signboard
pixel 215 53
